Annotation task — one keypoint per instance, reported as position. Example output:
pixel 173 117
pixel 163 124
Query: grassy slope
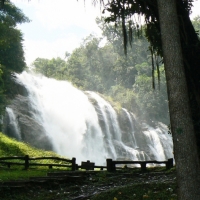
pixel 11 147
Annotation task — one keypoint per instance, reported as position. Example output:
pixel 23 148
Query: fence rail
pixel 111 164
pixel 27 162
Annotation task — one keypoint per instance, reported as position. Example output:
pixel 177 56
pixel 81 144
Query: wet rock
pixel 29 129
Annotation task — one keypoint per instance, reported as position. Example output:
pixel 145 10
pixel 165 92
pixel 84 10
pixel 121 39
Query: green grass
pixel 21 174
pixel 12 147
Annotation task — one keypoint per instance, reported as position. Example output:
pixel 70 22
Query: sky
pixel 59 26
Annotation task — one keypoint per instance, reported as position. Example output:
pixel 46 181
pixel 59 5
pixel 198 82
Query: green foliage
pixel 11 15
pixel 126 97
pixel 196 24
pixel 153 103
pixel 11 49
pixel 115 104
pixel 50 68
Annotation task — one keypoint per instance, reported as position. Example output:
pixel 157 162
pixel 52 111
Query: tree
pixel 53 68
pixel 196 24
pixel 11 49
pixel 187 162
pixel 152 102
pixel 125 64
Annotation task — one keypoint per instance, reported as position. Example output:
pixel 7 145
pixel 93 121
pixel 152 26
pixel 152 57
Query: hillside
pixel 12 147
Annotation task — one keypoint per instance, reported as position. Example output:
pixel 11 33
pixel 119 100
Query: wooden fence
pixel 26 162
pixel 111 165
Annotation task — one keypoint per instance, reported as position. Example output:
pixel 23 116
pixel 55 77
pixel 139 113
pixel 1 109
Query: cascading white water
pixel 85 126
pixel 66 115
pixel 132 132
pixel 158 137
pixel 13 124
pixel 110 119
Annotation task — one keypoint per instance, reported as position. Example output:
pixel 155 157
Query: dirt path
pixel 77 185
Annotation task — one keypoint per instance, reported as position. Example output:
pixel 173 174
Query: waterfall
pixel 132 131
pixel 84 125
pixel 14 130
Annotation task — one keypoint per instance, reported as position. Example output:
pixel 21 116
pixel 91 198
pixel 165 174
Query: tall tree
pixel 185 150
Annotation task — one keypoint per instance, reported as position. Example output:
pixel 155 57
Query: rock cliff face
pixel 139 136
pixel 29 129
pixel 81 124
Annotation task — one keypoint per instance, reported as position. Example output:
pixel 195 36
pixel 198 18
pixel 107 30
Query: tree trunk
pixel 185 149
pixel 191 51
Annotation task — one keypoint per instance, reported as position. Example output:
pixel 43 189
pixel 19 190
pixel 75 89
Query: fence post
pixel 169 163
pixel 26 159
pixel 50 167
pixel 73 164
pixel 143 167
pixel 110 165
pixel 87 167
